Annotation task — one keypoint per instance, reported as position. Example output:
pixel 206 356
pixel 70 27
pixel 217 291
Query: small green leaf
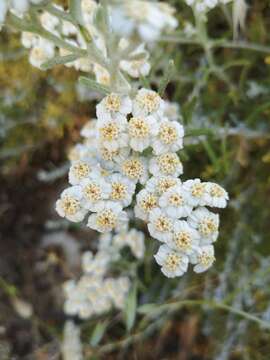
pixel 168 75
pixel 101 19
pixel 131 307
pixel 59 60
pixel 93 85
pixel 147 308
pixel 98 333
pixel 76 11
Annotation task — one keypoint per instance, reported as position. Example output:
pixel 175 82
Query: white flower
pixel 76 298
pixel 117 290
pixel 122 189
pixel 89 129
pixel 160 225
pixel 99 298
pixel 203 258
pixel 79 171
pixel 141 130
pixel 136 68
pixel 172 263
pixel 111 217
pixel 49 21
pixel 172 111
pixel 95 265
pixel 160 184
pixel 41 53
pixel 29 40
pixel 174 202
pixel 147 102
pixel 137 64
pixel 102 75
pixel 70 204
pixel 135 168
pixel 145 202
pixel 112 134
pixel 170 137
pixel 215 196
pixel 185 239
pixel 197 192
pixel 112 106
pixel 166 164
pixel 206 223
pixel 135 240
pixel 109 159
pixel 95 192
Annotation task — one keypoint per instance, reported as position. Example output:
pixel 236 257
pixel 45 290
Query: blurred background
pixel 41 114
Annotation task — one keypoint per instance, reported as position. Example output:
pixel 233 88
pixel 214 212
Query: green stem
pixel 244 45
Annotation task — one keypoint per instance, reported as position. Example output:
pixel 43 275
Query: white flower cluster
pixel 17 6
pixel 131 150
pixel 205 5
pixel 150 22
pixel 94 293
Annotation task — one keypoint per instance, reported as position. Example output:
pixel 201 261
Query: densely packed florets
pixel 130 160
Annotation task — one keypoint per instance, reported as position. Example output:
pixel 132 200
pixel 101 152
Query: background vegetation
pixel 225 101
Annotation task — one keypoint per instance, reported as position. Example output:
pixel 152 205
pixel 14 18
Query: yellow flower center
pixel 163 224
pixel 206 259
pixel 138 128
pixel 207 226
pixel 109 132
pixel 106 219
pixel 182 240
pixel 149 101
pixel 172 261
pixel 92 192
pixel 113 102
pixel 108 155
pixel 176 200
pixel 70 205
pixel 165 183
pixel 167 134
pixel 168 162
pixel 81 170
pixel 148 203
pixel 216 191
pixel 197 190
pixel 119 191
pixel 133 168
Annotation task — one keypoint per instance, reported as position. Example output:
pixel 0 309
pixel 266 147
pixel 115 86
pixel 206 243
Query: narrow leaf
pixel 131 307
pixel 59 60
pixel 169 72
pixel 147 308
pixel 98 333
pixel 93 85
pixel 76 11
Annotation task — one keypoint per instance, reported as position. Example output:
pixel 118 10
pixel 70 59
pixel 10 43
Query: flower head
pixel 70 205
pixel 172 263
